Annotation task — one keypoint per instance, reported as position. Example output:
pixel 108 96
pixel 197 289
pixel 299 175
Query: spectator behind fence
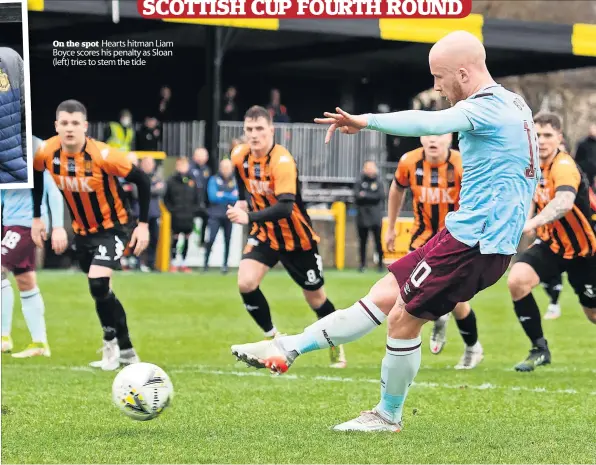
pixel 369 194
pixel 586 156
pixel 278 112
pixel 165 103
pixel 149 135
pixel 121 134
pixel 222 191
pixel 229 108
pixel 158 187
pixel 182 200
pixel 201 174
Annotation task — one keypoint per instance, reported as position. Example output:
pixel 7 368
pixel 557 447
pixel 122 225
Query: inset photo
pixel 16 170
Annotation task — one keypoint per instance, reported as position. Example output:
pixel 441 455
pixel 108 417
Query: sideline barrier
pixel 336 213
pixel 403 235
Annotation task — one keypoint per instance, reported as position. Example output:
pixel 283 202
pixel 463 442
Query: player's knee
pixel 517 282
pixel 25 281
pixel 247 283
pixel 401 325
pixel 99 288
pixel 315 298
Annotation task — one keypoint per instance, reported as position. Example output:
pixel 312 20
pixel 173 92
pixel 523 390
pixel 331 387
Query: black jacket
pixel 368 195
pixel 585 157
pixel 182 201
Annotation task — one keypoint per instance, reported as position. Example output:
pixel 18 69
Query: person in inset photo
pixel 13 141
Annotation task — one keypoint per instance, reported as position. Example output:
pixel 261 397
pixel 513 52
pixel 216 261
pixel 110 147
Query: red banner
pixel 304 9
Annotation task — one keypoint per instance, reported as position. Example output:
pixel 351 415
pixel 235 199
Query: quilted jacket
pixel 13 149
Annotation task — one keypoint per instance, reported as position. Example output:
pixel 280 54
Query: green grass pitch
pixel 58 410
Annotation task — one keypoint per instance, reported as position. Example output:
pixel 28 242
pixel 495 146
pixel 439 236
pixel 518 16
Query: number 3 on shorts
pixel 420 273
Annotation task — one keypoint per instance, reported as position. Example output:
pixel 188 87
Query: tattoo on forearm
pixel 557 208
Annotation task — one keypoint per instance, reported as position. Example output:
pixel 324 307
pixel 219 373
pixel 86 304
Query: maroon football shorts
pixel 18 249
pixel 437 276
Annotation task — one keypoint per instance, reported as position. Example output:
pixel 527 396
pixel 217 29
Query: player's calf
pixel 105 305
pixel 323 307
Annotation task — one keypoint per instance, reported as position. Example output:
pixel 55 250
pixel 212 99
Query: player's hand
pixel 59 240
pixel 390 239
pixel 38 232
pixel 346 123
pixel 237 215
pixel 242 204
pixel 140 238
pixel 529 227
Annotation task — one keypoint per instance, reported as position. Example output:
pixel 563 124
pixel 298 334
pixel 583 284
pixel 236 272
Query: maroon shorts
pixel 436 277
pixel 18 249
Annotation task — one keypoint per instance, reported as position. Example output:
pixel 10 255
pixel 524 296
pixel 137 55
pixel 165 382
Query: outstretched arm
pixel 412 123
pixel 415 123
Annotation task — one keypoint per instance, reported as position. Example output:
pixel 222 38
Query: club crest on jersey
pixel 450 176
pixel 88 168
pixel 4 81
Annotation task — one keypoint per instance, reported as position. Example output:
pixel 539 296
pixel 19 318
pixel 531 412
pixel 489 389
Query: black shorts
pixel 581 271
pixel 104 248
pixel 304 266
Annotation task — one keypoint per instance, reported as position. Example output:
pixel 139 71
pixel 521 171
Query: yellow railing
pixel 164 244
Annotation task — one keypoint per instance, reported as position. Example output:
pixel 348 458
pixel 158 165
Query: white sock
pixel 7 307
pixel 399 368
pixel 340 327
pixel 33 310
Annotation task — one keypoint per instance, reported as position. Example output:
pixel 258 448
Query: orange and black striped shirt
pixel 573 235
pixel 88 181
pixel 266 180
pixel 435 191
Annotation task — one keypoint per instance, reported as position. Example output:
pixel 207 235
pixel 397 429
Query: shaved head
pixel 458 63
pixel 460 48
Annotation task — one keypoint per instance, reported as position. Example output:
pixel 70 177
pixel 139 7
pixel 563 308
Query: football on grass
pixel 142 391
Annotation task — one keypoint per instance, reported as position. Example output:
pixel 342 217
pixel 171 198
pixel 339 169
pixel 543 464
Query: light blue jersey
pixel 17 204
pixel 499 150
pixel 501 171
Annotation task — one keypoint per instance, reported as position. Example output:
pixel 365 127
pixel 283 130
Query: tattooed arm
pixel 557 208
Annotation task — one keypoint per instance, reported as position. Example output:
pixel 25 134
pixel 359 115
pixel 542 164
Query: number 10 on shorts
pixel 420 273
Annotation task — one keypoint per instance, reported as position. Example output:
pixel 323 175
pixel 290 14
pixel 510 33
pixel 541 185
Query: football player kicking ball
pixel 434 173
pixel 472 252
pixel 87 172
pixel 567 243
pixel 281 230
pixel 18 258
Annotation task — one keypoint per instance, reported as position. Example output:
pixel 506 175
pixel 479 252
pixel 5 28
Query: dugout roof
pixel 331 46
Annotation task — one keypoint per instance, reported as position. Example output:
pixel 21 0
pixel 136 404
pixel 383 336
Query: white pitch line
pixel 421 384
pixel 333 379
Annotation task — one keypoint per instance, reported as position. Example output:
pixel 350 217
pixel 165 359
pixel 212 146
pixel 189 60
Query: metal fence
pixel 339 161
